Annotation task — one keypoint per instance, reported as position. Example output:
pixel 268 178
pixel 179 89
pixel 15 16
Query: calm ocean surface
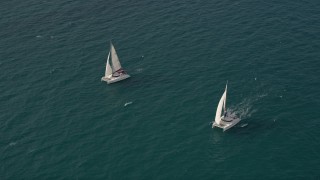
pixel 59 121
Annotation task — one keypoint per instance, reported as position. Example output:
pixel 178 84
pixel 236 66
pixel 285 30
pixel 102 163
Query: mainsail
pixel 221 105
pixel 115 60
pixel 225 99
pixel 108 68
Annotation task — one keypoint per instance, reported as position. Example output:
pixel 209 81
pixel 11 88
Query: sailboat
pixel 114 72
pixel 225 122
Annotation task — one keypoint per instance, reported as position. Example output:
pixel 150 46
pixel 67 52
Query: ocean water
pixel 59 121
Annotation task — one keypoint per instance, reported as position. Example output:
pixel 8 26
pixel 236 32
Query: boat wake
pixel 244 109
pixel 241 111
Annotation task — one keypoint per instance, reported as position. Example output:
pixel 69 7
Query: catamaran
pixel 225 122
pixel 115 72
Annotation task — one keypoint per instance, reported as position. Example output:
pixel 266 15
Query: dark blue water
pixel 59 121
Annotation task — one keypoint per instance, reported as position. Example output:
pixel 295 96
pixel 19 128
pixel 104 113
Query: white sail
pixel 115 60
pixel 220 106
pixel 225 99
pixel 108 68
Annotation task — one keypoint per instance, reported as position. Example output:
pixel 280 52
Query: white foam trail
pixel 127 103
pixel 245 108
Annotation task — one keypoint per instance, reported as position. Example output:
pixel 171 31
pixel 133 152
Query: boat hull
pixel 226 125
pixel 115 79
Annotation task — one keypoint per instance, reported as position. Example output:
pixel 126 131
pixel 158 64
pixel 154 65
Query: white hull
pixel 115 79
pixel 226 125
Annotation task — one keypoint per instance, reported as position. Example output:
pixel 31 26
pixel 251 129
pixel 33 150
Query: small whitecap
pixel 127 103
pixel 30 151
pixel 12 144
pixel 244 125
pixel 39 36
pixel 262 95
pixel 53 70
